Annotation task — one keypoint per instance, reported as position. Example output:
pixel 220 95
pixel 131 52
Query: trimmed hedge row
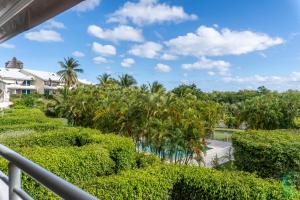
pixel 267 153
pixel 20 119
pixel 121 150
pixel 75 154
pixel 71 163
pixel 182 182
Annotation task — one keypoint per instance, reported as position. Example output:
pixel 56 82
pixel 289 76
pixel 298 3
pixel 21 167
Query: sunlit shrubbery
pixel 268 153
pixel 179 182
pixel 75 154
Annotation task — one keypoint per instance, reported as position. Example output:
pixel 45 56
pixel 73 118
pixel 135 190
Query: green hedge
pixel 182 182
pixel 267 153
pixel 75 154
pixel 71 163
pixel 22 119
pixel 122 150
pixel 145 160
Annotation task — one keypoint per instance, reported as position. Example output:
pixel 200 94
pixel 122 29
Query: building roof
pixel 14 63
pixel 46 76
pixel 15 74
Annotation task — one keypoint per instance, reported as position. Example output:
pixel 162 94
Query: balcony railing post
pixel 14 178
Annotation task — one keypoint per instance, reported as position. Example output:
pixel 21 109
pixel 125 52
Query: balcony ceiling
pixel 17 16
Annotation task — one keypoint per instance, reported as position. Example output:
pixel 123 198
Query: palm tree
pixel 104 78
pixel 127 80
pixel 144 88
pixel 156 87
pixel 68 74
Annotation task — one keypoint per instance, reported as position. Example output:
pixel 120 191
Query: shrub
pixel 121 149
pixel 150 183
pixel 267 153
pixel 75 154
pixel 71 163
pixel 20 119
pixel 146 160
pixel 183 182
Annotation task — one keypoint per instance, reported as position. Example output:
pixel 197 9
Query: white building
pixel 14 79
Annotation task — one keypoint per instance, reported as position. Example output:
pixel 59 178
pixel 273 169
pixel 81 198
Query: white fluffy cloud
pixel 78 54
pixel 146 50
pixel 272 79
pixel 149 12
pixel 53 24
pixel 220 66
pixel 7 46
pixel 167 56
pixel 87 5
pixel 104 50
pixel 162 68
pixel 127 62
pixel 122 32
pixel 99 60
pixel 279 82
pixel 44 35
pixel 208 41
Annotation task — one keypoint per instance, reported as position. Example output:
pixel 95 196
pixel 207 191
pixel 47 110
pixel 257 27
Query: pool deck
pixel 220 149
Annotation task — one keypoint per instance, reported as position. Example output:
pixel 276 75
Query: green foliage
pixel 178 182
pixel 29 101
pixel 71 163
pixel 121 150
pixel 271 111
pixel 26 101
pixel 20 119
pixel 267 153
pixel 184 90
pixel 69 70
pixel 156 119
pixel 127 80
pixel 145 160
pixel 75 154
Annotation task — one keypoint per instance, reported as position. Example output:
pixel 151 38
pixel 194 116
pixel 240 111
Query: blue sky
pixel 216 44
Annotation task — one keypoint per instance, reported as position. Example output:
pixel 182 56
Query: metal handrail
pixel 54 183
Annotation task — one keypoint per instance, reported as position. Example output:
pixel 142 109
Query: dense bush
pixel 146 160
pixel 71 163
pixel 121 150
pixel 35 119
pixel 75 154
pixel 271 111
pixel 178 182
pixel 268 153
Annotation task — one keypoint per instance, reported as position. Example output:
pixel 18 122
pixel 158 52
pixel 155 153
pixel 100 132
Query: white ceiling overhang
pixel 17 16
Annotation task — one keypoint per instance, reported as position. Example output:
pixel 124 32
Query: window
pixel 26 91
pixel 46 92
pixel 26 83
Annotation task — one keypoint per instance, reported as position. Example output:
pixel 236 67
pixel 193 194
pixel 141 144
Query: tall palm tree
pixel 104 78
pixel 127 80
pixel 156 87
pixel 144 88
pixel 70 68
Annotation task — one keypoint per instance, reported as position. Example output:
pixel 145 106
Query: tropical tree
pixel 127 80
pixel 183 90
pixel 144 88
pixel 104 78
pixel 68 73
pixel 156 87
